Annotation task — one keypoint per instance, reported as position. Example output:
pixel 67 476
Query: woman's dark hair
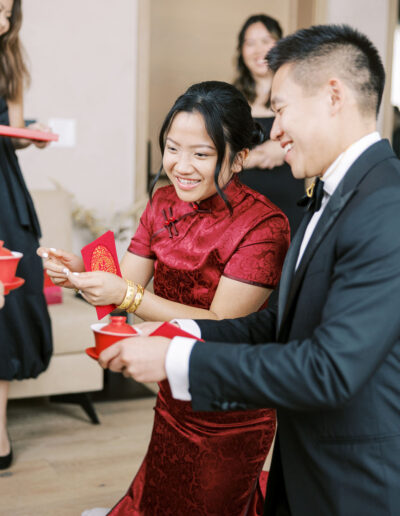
pixel 13 71
pixel 227 117
pixel 244 81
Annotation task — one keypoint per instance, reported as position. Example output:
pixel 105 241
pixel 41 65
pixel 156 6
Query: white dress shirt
pixel 332 178
pixel 178 355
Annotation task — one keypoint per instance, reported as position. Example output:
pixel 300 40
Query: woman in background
pixel 265 170
pixel 25 332
pixel 215 248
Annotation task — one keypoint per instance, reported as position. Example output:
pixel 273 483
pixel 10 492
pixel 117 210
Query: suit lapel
pixel 289 266
pixel 331 212
pixel 346 189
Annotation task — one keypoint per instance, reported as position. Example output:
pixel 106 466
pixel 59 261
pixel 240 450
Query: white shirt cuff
pixel 188 325
pixel 177 367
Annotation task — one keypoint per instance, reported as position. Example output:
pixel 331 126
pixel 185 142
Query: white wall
pixel 395 96
pixel 83 63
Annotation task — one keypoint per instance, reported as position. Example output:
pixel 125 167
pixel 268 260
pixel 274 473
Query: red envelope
pixel 30 134
pixel 101 255
pixel 170 330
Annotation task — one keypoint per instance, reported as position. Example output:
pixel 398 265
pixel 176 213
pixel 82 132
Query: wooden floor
pixel 64 464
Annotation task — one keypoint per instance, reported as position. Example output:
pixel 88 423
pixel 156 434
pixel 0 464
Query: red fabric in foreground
pixel 201 463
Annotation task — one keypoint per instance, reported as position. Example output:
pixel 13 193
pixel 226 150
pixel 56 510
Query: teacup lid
pixel 118 324
pixel 3 250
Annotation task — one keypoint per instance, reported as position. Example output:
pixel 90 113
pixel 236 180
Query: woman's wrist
pixel 128 293
pixel 132 297
pixel 137 299
pixel 122 291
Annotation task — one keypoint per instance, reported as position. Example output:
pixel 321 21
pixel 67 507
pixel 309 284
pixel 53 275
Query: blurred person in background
pixel 25 330
pixel 265 169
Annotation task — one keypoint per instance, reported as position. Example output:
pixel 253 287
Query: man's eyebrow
pixel 271 104
pixel 273 101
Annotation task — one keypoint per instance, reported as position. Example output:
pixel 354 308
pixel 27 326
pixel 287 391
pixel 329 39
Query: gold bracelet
pixel 138 299
pixel 129 295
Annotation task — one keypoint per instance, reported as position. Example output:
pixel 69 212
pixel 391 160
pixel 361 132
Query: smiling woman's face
pixel 5 15
pixel 190 158
pixel 257 42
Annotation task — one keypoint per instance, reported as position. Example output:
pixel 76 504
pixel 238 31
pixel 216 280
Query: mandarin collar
pixel 233 191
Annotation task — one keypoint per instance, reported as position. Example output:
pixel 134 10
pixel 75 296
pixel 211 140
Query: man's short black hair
pixel 338 48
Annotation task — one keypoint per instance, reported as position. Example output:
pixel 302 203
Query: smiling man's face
pixel 303 124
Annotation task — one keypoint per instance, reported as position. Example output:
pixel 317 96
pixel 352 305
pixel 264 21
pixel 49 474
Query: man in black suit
pixel 328 356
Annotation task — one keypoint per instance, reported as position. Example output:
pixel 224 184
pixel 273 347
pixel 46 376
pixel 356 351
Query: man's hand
pixel 142 358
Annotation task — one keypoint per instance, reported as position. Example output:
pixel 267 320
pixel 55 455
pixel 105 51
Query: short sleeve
pixel 258 259
pixel 141 241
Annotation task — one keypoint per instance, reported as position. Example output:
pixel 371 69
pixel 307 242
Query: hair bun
pixel 258 135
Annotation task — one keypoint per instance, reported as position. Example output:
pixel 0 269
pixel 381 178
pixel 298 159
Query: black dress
pixel 278 184
pixel 25 330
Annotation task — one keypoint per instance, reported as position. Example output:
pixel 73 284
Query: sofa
pixel 71 374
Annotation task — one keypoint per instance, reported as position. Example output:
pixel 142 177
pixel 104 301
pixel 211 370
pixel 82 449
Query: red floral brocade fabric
pixel 206 463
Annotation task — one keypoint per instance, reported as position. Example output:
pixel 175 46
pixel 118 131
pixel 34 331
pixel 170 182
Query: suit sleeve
pixel 254 328
pixel 359 328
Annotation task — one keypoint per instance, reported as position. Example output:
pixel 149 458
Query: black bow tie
pixel 313 199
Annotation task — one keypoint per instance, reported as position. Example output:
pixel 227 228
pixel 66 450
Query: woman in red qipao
pixel 215 248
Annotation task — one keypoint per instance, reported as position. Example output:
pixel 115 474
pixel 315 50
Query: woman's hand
pixel 59 264
pixel 37 126
pixel 274 155
pixel 99 288
pixel 267 155
pixel 146 328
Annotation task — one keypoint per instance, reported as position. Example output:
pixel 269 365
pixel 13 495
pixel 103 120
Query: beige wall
pixel 196 41
pixel 83 64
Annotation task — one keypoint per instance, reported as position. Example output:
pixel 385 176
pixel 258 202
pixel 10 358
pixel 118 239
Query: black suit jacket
pixel 328 359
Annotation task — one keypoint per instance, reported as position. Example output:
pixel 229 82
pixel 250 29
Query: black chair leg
pixel 79 398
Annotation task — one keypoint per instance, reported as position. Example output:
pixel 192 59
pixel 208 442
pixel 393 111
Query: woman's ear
pixel 238 162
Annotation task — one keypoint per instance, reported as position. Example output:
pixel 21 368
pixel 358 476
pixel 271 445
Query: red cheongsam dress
pixel 206 463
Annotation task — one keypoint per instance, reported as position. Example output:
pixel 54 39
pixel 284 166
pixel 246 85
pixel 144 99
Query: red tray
pixel 30 134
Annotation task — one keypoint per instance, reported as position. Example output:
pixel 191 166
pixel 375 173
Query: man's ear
pixel 238 162
pixel 337 94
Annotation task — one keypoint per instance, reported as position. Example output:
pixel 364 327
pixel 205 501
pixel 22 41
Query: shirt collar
pixel 343 162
